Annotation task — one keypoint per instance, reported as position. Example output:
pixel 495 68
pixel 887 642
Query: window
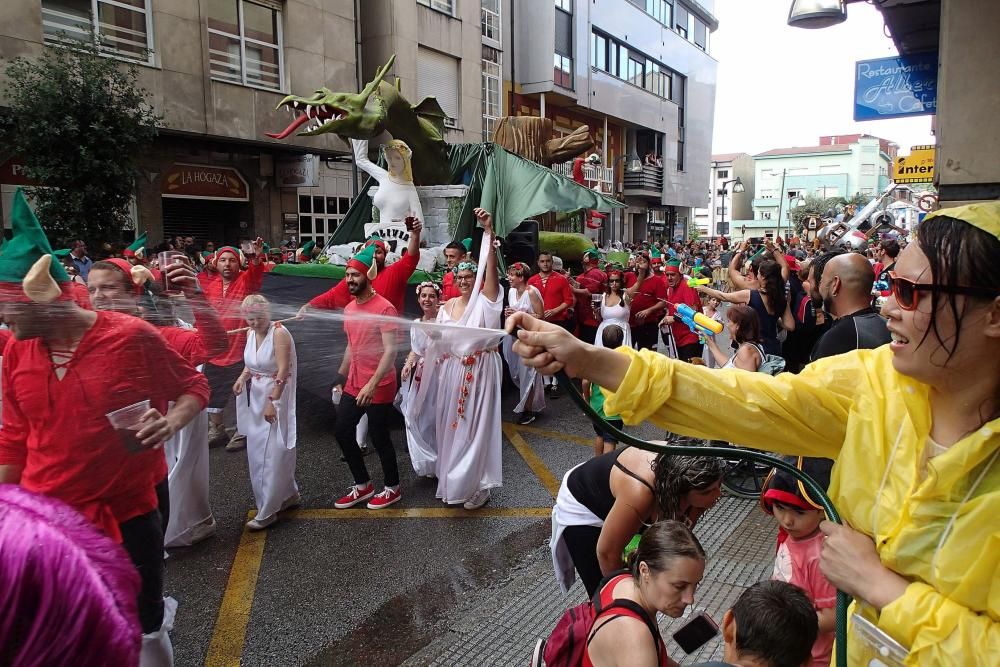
pixel 565 5
pixel 319 217
pixel 490 19
pixel 492 96
pixel 122 26
pixel 723 173
pixel 700 34
pixel 446 6
pixel 766 215
pixel 721 210
pixel 599 51
pixel 244 43
pixel 438 76
pixel 868 170
pixel 618 60
pixel 681 20
pixel 660 10
pixel 562 71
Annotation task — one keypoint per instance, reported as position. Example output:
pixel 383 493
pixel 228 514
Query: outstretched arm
pixel 364 164
pixel 735 277
pixel 739 296
pixel 491 281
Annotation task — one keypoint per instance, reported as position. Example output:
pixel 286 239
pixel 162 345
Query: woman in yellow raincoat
pixel 914 428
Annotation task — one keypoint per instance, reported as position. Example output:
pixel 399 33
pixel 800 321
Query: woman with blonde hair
pixel 265 411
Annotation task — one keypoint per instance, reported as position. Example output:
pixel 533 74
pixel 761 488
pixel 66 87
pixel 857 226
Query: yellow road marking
pixel 421 513
pixel 534 462
pixel 579 439
pixel 230 630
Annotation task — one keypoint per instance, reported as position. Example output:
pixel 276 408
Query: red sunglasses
pixel 907 292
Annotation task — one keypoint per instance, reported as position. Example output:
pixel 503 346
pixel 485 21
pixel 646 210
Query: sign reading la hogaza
pixel 896 87
pixel 200 181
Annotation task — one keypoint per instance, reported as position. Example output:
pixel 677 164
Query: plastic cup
pixel 164 260
pixel 127 422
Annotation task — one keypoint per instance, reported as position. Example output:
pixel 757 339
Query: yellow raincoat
pixel 936 522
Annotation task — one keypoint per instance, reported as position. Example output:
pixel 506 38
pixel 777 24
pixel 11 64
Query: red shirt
pixel 448 289
pixel 594 281
pixel 686 295
pixel 797 562
pixel 365 340
pixel 652 291
pixel 57 429
pixel 198 345
pixel 390 283
pixel 227 302
pixel 555 291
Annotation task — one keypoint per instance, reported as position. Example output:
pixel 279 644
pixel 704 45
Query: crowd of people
pixel 898 419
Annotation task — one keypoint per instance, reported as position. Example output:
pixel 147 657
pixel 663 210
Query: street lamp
pixel 721 229
pixel 816 13
pixel 794 201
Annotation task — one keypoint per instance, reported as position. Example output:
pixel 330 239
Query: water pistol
pixel 699 323
pixel 695 282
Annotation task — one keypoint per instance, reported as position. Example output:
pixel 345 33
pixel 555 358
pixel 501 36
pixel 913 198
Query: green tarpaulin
pixel 507 185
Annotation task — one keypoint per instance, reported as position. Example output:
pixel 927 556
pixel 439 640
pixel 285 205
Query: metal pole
pixel 722 223
pixel 781 199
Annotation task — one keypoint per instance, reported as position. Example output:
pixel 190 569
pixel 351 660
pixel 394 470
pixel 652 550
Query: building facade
pixel 840 166
pixel 724 203
pixel 639 73
pixel 215 71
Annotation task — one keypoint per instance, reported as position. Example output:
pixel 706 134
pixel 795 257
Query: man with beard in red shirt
pixel 592 281
pixel 687 342
pixel 649 300
pixel 557 299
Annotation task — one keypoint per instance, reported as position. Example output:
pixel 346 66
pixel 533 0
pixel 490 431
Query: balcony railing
pixel 595 177
pixel 649 179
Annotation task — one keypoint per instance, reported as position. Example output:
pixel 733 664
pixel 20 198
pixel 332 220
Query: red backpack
pixel 567 644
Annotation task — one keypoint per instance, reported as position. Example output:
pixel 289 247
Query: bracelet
pixel 280 383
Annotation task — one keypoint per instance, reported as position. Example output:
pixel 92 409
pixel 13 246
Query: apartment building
pixel 639 73
pixel 727 201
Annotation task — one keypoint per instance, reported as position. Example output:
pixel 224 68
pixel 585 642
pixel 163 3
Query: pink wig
pixel 67 592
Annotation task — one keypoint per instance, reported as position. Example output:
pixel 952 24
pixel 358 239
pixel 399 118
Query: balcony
pixel 595 177
pixel 766 202
pixel 645 183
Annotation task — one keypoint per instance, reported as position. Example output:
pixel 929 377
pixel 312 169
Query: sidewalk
pixel 499 625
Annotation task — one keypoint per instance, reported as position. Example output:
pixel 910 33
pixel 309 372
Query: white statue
pixel 396 198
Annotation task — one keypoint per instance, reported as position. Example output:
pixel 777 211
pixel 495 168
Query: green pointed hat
pixel 26 265
pixel 63 252
pixel 467 242
pixel 591 254
pixel 654 256
pixel 673 266
pixel 364 262
pixel 136 248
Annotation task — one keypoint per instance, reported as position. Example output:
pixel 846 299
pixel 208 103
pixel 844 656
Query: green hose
pixel 815 490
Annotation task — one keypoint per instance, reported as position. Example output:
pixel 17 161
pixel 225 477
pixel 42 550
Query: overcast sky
pixel 781 86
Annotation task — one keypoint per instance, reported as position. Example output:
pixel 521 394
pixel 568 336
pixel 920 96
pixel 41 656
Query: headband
pixel 519 266
pixel 428 283
pixel 466 266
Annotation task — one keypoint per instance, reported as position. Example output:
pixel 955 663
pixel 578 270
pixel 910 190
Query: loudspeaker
pixel 521 245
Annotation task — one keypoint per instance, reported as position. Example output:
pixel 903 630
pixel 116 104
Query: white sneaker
pixel 261 524
pixel 203 531
pixel 478 499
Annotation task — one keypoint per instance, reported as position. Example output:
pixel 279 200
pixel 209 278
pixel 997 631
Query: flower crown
pixel 429 283
pixel 466 266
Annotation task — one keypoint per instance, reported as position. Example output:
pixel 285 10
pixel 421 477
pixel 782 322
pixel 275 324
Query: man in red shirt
pixel 557 299
pixel 63 372
pixel 687 342
pixel 226 294
pixel 591 282
pixel 390 283
pixel 367 380
pixel 454 253
pixel 649 300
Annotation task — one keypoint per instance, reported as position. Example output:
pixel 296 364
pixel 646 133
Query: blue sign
pixel 895 87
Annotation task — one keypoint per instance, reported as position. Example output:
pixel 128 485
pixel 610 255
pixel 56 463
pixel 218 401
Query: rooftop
pixel 798 150
pixel 726 157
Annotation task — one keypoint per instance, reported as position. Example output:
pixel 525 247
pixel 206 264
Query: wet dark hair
pixel 455 245
pixel 612 337
pixel 747 323
pixel 776 624
pixel 958 254
pixel 661 544
pixel 773 285
pixel 674 476
pixel 819 264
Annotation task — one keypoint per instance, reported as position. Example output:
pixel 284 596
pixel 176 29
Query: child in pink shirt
pixel 799 545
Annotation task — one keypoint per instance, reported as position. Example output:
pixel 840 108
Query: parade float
pixel 509 177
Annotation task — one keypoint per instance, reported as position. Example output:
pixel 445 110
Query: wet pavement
pixel 419 583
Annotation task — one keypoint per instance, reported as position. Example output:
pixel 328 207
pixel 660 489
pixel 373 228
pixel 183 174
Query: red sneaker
pixel 355 495
pixel 384 499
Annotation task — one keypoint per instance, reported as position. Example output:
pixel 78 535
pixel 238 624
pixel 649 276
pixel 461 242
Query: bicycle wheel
pixel 745 479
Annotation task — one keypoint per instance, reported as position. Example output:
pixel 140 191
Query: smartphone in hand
pixel 696 633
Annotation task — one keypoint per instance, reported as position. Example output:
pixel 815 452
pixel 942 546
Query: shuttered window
pixel 438 76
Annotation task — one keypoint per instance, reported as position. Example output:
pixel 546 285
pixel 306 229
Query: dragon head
pixel 347 114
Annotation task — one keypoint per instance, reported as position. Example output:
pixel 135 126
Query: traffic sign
pixel 917 167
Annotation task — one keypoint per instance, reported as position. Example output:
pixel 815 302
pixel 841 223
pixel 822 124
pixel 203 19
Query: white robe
pixel 468 402
pixel 419 399
pixel 525 378
pixel 188 481
pixel 617 315
pixel 270 447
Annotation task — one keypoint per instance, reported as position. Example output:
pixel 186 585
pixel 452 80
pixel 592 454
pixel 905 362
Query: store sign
pixel 896 87
pixel 917 167
pixel 298 172
pixel 12 173
pixel 198 181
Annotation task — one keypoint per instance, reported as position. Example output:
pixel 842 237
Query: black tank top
pixel 590 483
pixel 768 324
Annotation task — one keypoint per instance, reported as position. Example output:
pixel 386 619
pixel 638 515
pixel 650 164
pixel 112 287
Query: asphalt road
pixel 355 587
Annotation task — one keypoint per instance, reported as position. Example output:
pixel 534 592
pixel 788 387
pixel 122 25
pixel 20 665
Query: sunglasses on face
pixel 907 292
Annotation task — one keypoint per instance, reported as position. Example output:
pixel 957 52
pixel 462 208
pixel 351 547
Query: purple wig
pixel 67 592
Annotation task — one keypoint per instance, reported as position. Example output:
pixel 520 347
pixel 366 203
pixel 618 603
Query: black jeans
pixel 349 413
pixel 142 538
pixel 588 333
pixel 644 336
pixel 582 544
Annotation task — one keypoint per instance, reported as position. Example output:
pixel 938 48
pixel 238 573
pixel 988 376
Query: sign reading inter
pixel 917 167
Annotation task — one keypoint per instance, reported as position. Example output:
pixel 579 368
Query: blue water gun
pixel 697 322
